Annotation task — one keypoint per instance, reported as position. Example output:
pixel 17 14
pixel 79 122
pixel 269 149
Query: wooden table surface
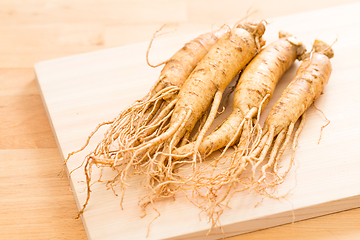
pixel 35 199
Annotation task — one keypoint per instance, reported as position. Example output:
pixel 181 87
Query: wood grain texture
pixel 38 204
pixel 32 205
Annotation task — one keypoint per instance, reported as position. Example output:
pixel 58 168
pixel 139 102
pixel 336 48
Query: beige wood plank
pixel 106 12
pixel 320 170
pixel 341 226
pixel 53 41
pixel 23 120
pixel 77 27
pixel 228 10
pixel 37 201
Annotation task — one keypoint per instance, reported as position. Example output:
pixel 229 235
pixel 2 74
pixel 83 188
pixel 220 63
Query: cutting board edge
pixel 279 219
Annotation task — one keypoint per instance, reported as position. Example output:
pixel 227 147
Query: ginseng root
pixel 308 84
pixel 146 117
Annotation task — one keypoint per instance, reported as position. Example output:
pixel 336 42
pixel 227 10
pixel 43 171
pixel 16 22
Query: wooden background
pixel 35 200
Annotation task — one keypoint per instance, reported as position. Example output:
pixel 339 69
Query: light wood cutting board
pixel 81 91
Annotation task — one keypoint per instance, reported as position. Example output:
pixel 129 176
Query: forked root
pixel 253 166
pixel 164 166
pixel 215 182
pixel 265 158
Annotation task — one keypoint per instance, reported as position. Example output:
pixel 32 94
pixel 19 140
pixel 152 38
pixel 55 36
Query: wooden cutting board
pixel 81 91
